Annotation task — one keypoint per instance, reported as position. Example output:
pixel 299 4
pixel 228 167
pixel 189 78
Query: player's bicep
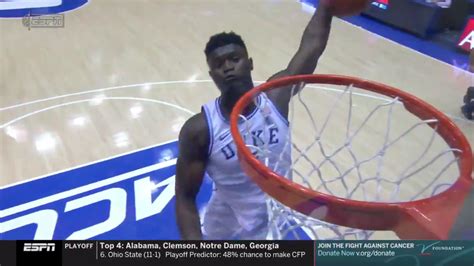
pixel 189 175
pixel 191 164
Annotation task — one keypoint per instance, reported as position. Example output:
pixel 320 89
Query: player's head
pixel 229 64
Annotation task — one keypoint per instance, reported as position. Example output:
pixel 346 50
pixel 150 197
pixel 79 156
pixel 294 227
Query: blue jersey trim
pixel 218 100
pixel 206 112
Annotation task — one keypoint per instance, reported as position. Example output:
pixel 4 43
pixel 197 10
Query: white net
pixel 358 145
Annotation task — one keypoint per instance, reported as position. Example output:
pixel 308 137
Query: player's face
pixel 230 68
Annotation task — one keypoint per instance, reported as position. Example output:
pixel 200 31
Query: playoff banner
pixel 261 253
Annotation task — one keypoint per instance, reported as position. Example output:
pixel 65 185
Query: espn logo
pixel 39 247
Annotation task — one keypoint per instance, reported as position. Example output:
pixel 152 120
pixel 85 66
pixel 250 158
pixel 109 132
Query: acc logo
pixel 127 197
pixel 116 199
pixel 466 41
pixel 130 196
pixel 39 247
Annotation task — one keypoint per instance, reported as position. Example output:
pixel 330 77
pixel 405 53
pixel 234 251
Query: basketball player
pixel 237 208
pixel 468 107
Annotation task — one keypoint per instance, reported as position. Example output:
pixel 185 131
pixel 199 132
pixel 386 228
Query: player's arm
pixel 312 46
pixel 190 169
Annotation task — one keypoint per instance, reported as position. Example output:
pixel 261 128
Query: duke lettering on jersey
pixel 273 135
pixel 265 127
pixel 257 138
pixel 229 150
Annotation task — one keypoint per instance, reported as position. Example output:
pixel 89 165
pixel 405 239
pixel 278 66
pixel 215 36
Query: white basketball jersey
pixel 265 128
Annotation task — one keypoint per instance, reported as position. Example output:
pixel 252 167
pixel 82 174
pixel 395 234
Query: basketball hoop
pixel 343 201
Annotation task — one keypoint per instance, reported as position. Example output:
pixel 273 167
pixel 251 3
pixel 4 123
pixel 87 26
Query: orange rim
pixel 420 219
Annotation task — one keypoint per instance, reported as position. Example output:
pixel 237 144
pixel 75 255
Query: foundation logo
pixel 429 249
pixel 426 248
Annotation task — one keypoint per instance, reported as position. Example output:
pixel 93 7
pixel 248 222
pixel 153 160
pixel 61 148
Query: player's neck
pixel 227 103
pixel 232 95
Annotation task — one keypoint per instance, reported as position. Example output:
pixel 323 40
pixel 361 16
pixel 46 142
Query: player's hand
pixel 468 107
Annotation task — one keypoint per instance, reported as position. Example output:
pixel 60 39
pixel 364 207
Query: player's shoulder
pixel 195 131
